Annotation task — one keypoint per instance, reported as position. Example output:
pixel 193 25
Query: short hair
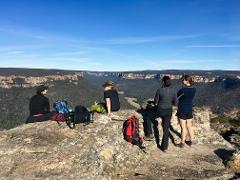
pixel 166 81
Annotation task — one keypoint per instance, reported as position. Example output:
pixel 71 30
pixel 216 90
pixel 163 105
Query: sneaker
pixel 148 138
pixel 164 150
pixel 182 145
pixel 189 143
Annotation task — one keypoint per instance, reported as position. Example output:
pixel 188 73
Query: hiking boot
pixel 149 138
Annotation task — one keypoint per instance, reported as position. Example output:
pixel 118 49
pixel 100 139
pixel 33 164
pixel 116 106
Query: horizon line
pixel 116 71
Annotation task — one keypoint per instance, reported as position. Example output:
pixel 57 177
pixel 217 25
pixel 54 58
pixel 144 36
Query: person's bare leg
pixel 183 125
pixel 190 129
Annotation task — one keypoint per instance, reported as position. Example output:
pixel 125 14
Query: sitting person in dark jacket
pixel 111 97
pixel 39 106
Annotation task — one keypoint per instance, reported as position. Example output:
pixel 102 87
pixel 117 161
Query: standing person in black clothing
pixel 164 99
pixel 111 98
pixel 149 115
pixel 39 106
pixel 185 108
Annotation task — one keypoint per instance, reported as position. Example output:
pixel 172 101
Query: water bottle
pixel 71 115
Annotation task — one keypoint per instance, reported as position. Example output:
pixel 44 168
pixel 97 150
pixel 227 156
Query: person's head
pixel 187 80
pixel 108 85
pixel 42 90
pixel 166 81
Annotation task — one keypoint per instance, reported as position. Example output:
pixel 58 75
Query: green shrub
pixel 220 119
pixel 235 122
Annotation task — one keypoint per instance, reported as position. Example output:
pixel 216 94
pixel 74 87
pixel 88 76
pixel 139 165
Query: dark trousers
pixel 149 116
pixel 165 115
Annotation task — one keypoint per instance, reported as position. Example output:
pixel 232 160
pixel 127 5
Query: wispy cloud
pixel 31 55
pixel 71 53
pixel 76 60
pixel 141 40
pixel 17 31
pixel 12 48
pixel 15 52
pixel 171 62
pixel 36 35
pixel 214 46
pixel 95 63
pixel 57 39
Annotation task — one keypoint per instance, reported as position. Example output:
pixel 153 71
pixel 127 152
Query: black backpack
pixel 82 115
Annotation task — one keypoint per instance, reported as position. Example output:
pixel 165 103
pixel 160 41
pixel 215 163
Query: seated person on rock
pixel 111 98
pixel 39 106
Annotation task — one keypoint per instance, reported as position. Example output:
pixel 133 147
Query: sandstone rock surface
pixel 234 162
pixel 98 151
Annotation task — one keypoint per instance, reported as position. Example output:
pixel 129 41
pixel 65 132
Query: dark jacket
pixel 165 97
pixel 185 99
pixel 39 104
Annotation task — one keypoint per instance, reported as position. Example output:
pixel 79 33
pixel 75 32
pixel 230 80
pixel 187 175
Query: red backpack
pixel 130 131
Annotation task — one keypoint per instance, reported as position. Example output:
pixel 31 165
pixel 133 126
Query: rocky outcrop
pixel 228 127
pixel 98 151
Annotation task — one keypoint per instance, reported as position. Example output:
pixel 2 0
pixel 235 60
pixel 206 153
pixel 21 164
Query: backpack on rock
pixel 98 107
pixel 130 131
pixel 82 115
pixel 61 106
pixel 61 111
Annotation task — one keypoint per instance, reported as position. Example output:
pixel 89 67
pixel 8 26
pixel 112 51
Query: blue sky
pixel 120 34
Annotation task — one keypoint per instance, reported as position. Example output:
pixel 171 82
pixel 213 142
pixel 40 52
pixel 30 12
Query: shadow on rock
pixel 224 154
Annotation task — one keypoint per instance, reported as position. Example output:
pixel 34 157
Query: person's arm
pixel 46 105
pixel 180 94
pixel 156 98
pixel 108 105
pixel 175 100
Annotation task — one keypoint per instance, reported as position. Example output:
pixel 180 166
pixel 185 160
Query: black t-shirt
pixel 113 95
pixel 39 104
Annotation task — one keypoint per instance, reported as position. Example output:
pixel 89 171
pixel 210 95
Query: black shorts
pixel 184 116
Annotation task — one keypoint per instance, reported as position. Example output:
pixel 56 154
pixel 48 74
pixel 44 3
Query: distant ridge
pixel 40 72
pixel 32 72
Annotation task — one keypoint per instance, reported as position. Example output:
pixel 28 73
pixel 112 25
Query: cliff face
pixel 25 81
pixel 98 151
pixel 32 81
